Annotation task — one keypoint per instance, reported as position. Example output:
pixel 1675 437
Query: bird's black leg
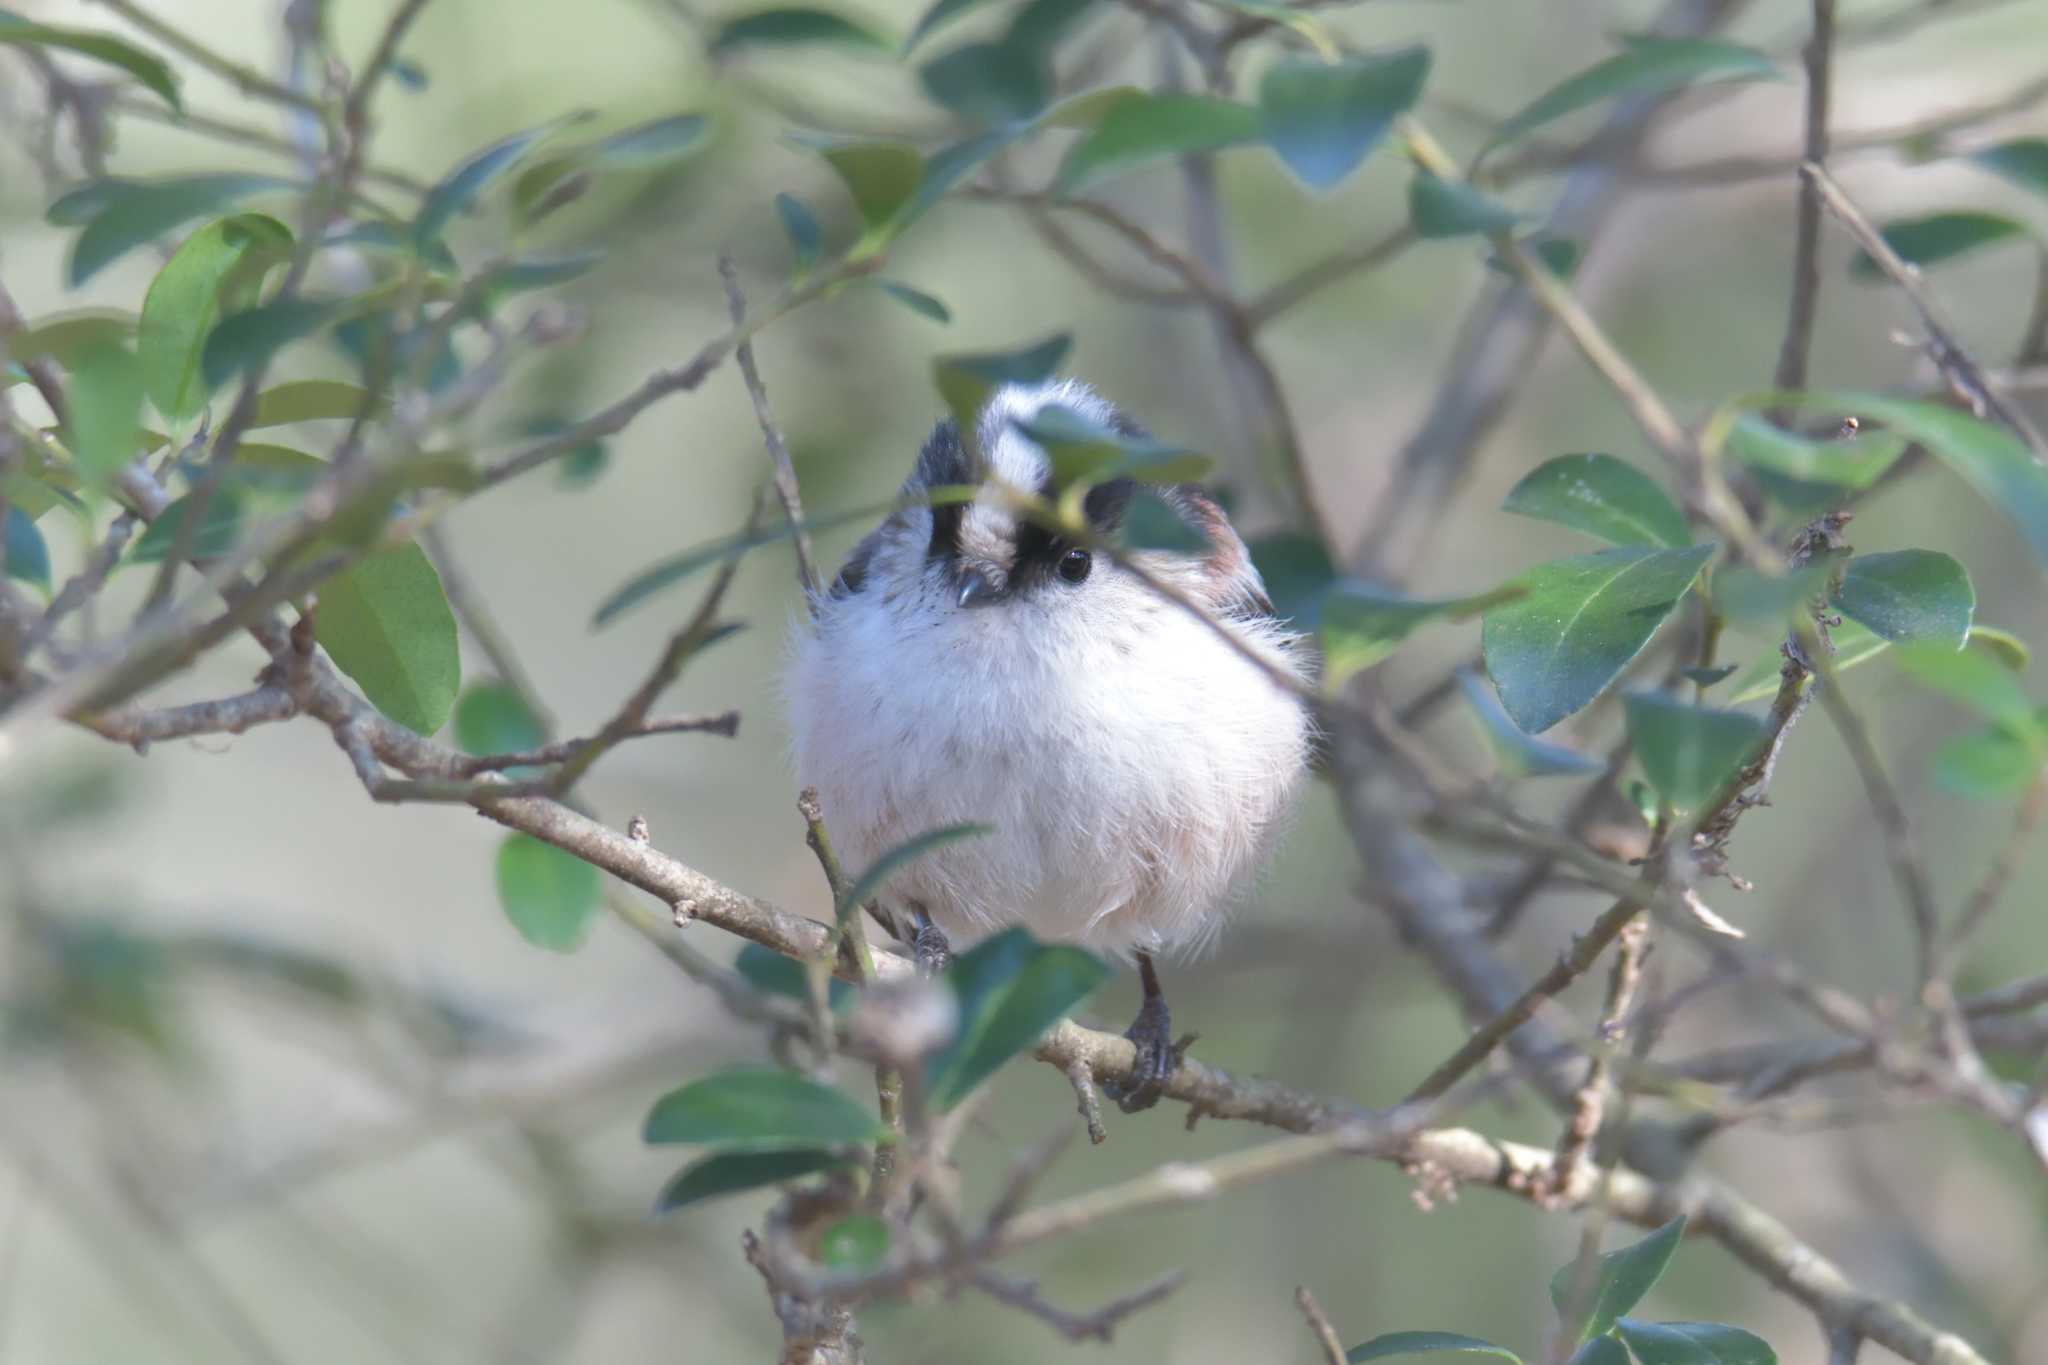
pixel 928 944
pixel 1152 1032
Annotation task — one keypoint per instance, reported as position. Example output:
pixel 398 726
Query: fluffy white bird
pixel 970 666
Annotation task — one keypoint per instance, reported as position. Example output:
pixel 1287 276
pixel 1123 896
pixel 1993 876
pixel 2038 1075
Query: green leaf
pixel 1362 625
pixel 1600 1351
pixel 1909 596
pixel 871 882
pixel 184 303
pixel 1578 624
pixel 549 895
pixel 1559 255
pixel 542 272
pixel 1992 764
pixel 25 556
pixel 1083 451
pixel 1518 753
pixel 769 971
pixel 491 718
pixel 101 47
pixel 387 625
pixel 1977 681
pixel 917 301
pixel 65 337
pixel 217 533
pixel 788 26
pixel 802 226
pixel 1855 463
pixel 760 1109
pixel 1649 66
pixel 736 1172
pixel 470 178
pixel 1602 496
pixel 1452 208
pixel 245 341
pixel 1323 118
pixel 1298 574
pixel 668 572
pixel 2002 645
pixel 106 408
pixel 1690 753
pixel 938 14
pixel 1426 1343
pixel 1141 129
pixel 1151 523
pixel 1086 110
pixel 2023 161
pixel 1752 598
pixel 967 381
pixel 995 83
pixel 1857 644
pixel 1011 989
pixel 858 1241
pixel 1935 238
pixel 650 144
pixel 310 400
pixel 882 177
pixel 133 212
pixel 1694 1343
pixel 1620 1280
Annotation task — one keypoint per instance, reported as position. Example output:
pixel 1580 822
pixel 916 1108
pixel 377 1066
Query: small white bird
pixel 971 666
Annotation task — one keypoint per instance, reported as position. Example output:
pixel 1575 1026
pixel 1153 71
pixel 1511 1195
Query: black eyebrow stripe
pixel 942 462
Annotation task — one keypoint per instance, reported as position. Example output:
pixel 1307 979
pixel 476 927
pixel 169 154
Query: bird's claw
pixel 1158 1057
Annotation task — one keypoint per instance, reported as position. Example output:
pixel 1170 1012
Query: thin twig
pixel 1319 1324
pixel 1098 1325
pixel 783 466
pixel 246 79
pixel 1798 343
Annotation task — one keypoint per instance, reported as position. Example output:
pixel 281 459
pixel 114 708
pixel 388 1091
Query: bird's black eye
pixel 1075 564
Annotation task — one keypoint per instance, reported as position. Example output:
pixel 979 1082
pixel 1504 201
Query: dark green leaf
pixel 1145 128
pixel 101 47
pixel 938 14
pixel 1039 25
pixel 1855 463
pixel 1649 66
pixel 785 27
pixel 917 301
pixel 106 408
pixel 1992 764
pixel 1518 753
pixel 760 1109
pixel 492 718
pixel 989 83
pixel 2023 161
pixel 1690 753
pixel 1856 644
pixel 737 1172
pixel 802 226
pixel 1559 255
pixel 1619 1282
pixel 1298 574
pixel 1602 496
pixel 858 1241
pixel 470 178
pixel 949 165
pixel 871 882
pixel 543 272
pixel 76 208
pixel 1084 451
pixel 243 342
pixel 650 144
pixel 1152 523
pixel 310 400
pixel 217 532
pixel 1989 458
pixel 409 73
pixel 1426 1343
pixel 1936 238
pixel 184 303
pixel 1086 111
pixel 392 238
pixel 1362 625
pixel 882 177
pixel 1452 208
pixel 273 472
pixel 386 624
pixel 1707 677
pixel 767 970
pixel 967 381
pixel 26 556
pixel 1578 624
pixel 548 895
pixel 140 211
pixel 1975 679
pixel 1600 1351
pixel 1010 989
pixel 1909 595
pixel 1323 118
pixel 1694 1343
pixel 1749 597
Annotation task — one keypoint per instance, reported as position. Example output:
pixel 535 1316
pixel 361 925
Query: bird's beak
pixel 978 587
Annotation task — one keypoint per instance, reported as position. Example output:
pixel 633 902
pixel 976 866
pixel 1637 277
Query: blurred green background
pixel 364 1197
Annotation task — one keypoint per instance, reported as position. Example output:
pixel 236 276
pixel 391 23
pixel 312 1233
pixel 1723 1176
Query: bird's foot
pixel 1158 1057
pixel 929 949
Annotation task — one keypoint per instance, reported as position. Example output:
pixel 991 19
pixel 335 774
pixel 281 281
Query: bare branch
pixel 1319 1324
pixel 1798 343
pixel 778 450
pixel 1096 1326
